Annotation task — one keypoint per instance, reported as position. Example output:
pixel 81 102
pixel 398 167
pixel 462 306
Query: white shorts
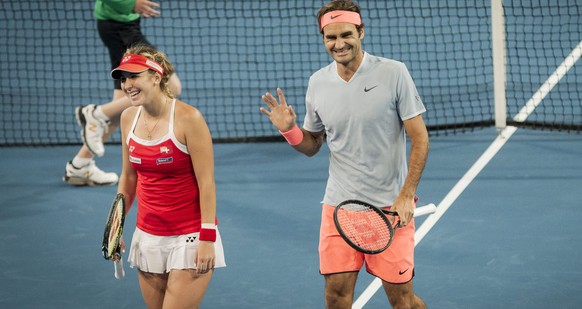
pixel 160 254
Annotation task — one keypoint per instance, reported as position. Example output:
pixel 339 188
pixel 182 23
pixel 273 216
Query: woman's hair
pixel 339 5
pixel 159 57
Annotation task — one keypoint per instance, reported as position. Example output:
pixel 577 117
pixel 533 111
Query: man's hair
pixel 339 5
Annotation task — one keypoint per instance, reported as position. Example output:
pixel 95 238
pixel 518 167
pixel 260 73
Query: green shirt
pixel 117 10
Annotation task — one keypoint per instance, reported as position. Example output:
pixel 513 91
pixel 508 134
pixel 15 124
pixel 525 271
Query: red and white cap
pixel 136 64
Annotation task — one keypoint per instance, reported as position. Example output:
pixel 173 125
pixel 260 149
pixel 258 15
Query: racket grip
pixel 119 271
pixel 424 210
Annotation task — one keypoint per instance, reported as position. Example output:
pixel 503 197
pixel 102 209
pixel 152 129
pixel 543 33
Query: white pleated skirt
pixel 160 254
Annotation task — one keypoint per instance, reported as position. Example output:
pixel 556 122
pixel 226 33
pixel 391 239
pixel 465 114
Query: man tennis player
pixel 365 106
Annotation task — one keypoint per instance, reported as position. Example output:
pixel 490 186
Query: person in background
pixel 118 23
pixel 364 106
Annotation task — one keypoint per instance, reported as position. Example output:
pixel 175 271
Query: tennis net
pixel 228 53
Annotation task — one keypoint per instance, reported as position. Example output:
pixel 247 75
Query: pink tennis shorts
pixel 394 265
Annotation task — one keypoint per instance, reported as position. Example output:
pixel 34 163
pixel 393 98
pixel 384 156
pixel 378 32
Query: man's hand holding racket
pixel 404 207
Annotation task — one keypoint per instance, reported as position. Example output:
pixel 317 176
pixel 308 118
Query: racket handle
pixel 424 210
pixel 118 265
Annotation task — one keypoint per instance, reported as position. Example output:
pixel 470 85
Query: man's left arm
pixel 419 146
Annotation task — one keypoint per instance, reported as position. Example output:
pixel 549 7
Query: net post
pixel 499 74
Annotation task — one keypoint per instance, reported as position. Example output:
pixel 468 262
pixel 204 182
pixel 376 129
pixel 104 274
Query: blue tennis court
pixel 507 232
pixel 511 239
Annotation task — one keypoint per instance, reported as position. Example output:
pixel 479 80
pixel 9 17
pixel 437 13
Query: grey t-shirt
pixel 363 119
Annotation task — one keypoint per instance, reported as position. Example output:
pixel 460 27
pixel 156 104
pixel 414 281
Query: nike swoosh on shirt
pixel 368 89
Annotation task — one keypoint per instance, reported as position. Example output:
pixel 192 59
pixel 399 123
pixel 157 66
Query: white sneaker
pixel 88 175
pixel 93 129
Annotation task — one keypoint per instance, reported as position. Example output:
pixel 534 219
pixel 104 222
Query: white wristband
pixel 210 226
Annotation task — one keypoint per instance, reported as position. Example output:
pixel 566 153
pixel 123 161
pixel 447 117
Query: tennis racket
pixel 368 228
pixel 112 235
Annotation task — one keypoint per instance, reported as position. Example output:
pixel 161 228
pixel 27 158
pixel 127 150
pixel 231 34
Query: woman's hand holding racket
pixel 112 235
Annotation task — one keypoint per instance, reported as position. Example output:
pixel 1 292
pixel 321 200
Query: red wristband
pixel 208 235
pixel 293 136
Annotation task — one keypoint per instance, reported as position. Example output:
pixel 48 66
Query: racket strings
pixel 115 225
pixel 364 227
pixel 115 230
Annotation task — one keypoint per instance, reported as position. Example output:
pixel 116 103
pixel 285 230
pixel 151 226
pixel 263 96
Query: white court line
pixel 478 166
pixel 431 220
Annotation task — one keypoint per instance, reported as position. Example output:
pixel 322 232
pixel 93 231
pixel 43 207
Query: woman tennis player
pixel 168 164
